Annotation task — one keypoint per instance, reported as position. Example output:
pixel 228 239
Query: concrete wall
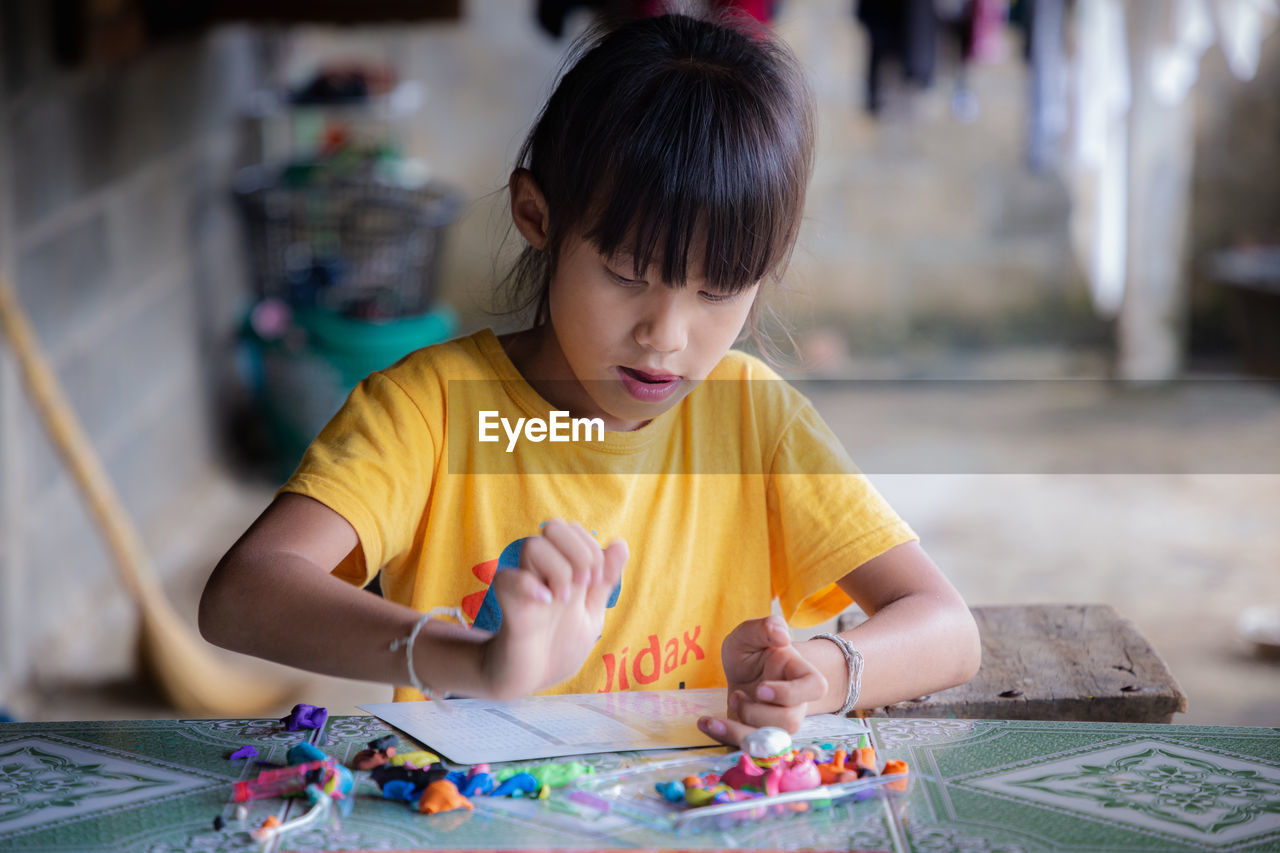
pixel 118 237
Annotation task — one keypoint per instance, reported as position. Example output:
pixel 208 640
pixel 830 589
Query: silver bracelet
pixel 410 641
pixel 853 659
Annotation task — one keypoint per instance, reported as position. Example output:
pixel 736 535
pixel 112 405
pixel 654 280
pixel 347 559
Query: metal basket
pixel 349 243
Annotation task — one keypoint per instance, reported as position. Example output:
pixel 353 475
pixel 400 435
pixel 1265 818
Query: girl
pixel 662 183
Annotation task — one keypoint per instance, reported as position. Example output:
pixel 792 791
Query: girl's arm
pixel 920 638
pixel 273 596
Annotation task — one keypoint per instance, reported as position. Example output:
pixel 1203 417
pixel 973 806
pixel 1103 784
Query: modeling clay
pixel 555 775
pixel 746 773
pixel 246 751
pixel 893 767
pixel 476 783
pixel 672 791
pixel 367 759
pixel 442 796
pixel 419 758
pixel 767 741
pixel 400 789
pixel 799 774
pixel 305 717
pixel 383 743
pixel 302 752
pixel 521 783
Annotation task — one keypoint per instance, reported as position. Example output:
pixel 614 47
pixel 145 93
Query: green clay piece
pixel 698 796
pixel 548 775
pixel 864 742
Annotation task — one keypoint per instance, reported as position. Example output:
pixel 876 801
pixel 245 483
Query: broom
pixel 185 669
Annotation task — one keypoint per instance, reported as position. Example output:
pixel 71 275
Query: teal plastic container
pixel 303 378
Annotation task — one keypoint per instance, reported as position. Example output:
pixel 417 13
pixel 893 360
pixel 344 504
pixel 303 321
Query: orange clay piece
pixel 442 796
pixel 865 757
pixel 270 823
pixel 896 766
pixel 692 782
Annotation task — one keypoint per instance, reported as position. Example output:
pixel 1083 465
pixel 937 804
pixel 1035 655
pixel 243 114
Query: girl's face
pixel 634 347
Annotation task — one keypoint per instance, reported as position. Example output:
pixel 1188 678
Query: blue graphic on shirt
pixel 489 617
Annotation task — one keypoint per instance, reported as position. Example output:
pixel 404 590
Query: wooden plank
pixel 1058 662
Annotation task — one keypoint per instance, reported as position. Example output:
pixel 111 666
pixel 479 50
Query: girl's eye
pixel 712 296
pixel 624 281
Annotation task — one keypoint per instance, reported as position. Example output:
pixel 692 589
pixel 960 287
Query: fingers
pixel 755 635
pixel 614 558
pixel 730 732
pixel 782 697
pixel 563 557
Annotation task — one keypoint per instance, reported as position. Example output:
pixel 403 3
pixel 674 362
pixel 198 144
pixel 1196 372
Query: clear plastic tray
pixel 631 793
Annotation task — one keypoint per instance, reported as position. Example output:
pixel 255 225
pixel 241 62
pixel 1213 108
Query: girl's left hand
pixel 770 683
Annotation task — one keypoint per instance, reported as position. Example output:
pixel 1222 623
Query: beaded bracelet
pixel 853 659
pixel 410 641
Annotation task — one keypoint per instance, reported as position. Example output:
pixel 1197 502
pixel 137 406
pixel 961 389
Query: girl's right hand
pixel 553 609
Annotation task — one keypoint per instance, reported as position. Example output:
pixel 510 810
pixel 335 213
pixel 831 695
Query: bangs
pixel 688 178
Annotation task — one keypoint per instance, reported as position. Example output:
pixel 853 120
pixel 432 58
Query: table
pixel 1057 662
pixel 979 786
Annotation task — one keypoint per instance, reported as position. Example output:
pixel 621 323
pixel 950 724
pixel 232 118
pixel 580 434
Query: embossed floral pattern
pixel 1169 786
pixel 32 779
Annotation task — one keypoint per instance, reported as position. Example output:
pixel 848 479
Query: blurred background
pixel 1037 291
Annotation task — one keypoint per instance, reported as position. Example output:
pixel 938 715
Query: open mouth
pixel 648 387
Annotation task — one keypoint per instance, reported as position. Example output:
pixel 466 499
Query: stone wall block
pixel 67 280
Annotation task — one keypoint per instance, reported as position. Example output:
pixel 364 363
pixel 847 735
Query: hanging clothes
pixel 1169 67
pixel 901 30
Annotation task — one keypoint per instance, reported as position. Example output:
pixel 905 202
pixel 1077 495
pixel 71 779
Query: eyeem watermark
pixel 560 427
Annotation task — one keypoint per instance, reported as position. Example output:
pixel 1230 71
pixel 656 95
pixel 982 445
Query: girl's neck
pixel 536 354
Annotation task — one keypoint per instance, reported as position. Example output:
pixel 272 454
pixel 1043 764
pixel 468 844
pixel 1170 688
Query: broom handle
pixel 73 445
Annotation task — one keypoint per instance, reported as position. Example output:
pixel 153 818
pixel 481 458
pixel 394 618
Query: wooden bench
pixel 1055 662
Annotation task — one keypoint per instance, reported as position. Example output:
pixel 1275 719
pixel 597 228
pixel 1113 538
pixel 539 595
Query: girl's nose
pixel 662 327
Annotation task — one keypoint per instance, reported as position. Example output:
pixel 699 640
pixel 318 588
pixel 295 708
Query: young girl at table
pixel 660 189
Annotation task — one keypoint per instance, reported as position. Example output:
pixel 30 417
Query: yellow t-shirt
pixel 735 496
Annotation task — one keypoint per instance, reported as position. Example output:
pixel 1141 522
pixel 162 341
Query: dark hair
pixel 666 132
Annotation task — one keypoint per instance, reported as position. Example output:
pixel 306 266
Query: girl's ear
pixel 529 208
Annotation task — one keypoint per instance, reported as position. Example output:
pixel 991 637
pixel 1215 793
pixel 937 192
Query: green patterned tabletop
pixel 981 786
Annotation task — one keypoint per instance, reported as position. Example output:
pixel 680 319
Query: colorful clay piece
pixel 400 789
pixel 384 743
pixel 367 759
pixel 799 774
pixel 518 785
pixel 302 752
pixel 555 775
pixel 246 751
pixel 746 773
pixel 218 823
pixel 305 717
pixel 672 792
pixel 242 812
pixel 766 742
pixel 475 784
pixel 896 766
pixel 418 758
pixel 442 796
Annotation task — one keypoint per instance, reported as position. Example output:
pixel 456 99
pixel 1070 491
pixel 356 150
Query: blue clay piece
pixel 521 783
pixel 672 791
pixel 479 783
pixel 398 789
pixel 346 781
pixel 301 753
pixel 458 778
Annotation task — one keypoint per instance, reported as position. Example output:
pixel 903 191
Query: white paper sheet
pixel 475 731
